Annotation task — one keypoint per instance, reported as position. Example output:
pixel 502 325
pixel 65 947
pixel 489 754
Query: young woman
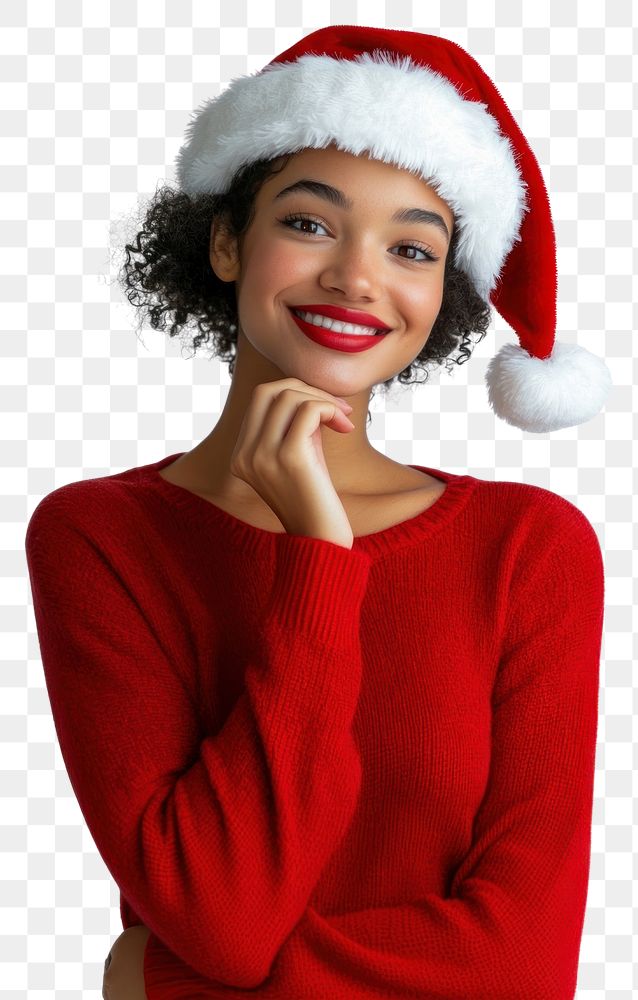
pixel 292 370
pixel 331 719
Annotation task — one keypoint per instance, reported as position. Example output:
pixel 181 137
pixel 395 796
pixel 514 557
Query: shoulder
pixel 534 508
pixel 529 531
pixel 88 507
pixel 542 536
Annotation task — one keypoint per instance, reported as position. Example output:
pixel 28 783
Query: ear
pixel 223 252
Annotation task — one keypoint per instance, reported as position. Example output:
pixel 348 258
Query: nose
pixel 354 270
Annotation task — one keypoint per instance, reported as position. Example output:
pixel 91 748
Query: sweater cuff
pixel 318 588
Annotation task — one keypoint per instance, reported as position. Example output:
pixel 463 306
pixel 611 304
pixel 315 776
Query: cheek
pixel 425 298
pixel 422 307
pixel 268 279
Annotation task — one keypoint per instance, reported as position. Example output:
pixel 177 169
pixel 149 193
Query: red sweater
pixel 328 773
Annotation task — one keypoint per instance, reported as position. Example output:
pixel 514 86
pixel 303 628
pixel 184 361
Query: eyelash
pixel 300 216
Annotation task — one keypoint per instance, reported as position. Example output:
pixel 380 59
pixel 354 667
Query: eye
pixel 415 246
pixel 299 217
pixel 289 221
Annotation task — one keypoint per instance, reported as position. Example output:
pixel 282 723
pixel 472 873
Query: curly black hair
pixel 173 278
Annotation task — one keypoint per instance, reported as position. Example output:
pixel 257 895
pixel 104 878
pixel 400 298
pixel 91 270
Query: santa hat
pixel 424 104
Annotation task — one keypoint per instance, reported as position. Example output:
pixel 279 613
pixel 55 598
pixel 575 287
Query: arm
pixel 510 924
pixel 217 843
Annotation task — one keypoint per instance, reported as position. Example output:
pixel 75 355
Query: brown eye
pixel 291 219
pixel 414 246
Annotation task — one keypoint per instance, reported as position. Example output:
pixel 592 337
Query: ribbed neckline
pixel 423 525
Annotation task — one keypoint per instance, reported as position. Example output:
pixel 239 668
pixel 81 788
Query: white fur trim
pixel 400 112
pixel 565 389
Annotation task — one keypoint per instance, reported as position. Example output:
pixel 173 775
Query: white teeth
pixel 333 324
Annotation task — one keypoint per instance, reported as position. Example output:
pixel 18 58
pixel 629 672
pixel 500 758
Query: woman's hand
pixel 278 452
pixel 124 966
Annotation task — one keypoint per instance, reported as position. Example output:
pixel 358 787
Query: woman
pixel 332 719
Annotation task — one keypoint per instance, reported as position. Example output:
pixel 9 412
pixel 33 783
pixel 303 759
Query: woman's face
pixel 346 256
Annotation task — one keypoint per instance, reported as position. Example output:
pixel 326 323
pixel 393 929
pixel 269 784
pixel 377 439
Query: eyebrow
pixel 339 199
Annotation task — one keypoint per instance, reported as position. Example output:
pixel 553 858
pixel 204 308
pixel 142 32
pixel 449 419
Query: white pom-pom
pixel 567 388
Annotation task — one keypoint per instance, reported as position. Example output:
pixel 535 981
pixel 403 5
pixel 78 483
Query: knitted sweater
pixel 319 773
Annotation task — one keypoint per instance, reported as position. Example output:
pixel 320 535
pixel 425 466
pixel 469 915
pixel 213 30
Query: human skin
pixel 351 259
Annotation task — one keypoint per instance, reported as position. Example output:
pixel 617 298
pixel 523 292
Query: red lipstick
pixel 350 342
pixel 345 315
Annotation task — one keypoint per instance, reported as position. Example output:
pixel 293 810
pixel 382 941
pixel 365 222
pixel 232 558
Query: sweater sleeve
pixel 217 843
pixel 510 925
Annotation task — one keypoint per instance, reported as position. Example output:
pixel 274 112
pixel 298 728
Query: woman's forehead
pixel 346 171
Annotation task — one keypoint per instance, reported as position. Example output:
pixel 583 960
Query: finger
pixel 296 383
pixel 285 430
pixel 266 392
pixel 269 417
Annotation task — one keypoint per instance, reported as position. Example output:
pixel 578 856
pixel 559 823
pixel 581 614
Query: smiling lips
pixel 344 315
pixel 349 342
pixel 335 325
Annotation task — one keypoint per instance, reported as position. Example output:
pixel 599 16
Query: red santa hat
pixel 424 104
